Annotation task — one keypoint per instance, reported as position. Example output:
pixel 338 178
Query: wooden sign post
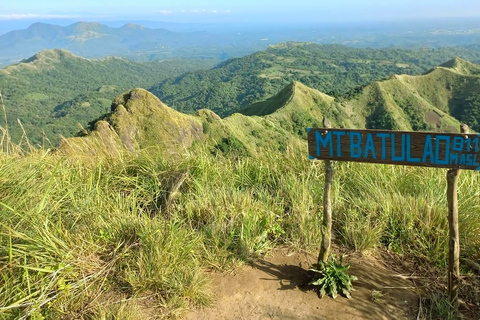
pixel 327 208
pixel 427 149
pixel 454 237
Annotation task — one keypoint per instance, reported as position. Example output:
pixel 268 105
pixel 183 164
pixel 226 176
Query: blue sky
pixel 292 11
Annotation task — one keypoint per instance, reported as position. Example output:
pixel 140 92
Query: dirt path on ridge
pixel 272 288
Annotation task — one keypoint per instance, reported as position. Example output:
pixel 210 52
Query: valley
pixel 81 90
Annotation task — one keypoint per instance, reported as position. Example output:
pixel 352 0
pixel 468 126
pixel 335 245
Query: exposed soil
pixel 433 118
pixel 275 287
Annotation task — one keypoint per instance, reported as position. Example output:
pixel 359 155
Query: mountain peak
pixel 138 120
pixel 40 29
pixel 42 60
pixel 48 55
pixel 295 94
pixel 142 120
pixel 453 63
pixel 85 24
pixel 40 25
pixel 132 26
pixel 462 66
pixel 80 27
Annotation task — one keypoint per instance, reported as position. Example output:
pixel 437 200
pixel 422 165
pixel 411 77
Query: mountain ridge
pixel 336 70
pixel 397 103
pixel 54 90
pixel 426 102
pixel 462 66
pixel 95 40
pixel 435 101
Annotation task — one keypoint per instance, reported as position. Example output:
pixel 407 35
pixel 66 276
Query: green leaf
pixel 332 279
pixel 322 292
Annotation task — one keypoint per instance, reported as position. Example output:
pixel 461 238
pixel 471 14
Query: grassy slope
pixel 54 89
pixel 429 102
pixel 333 69
pixel 83 240
pixel 129 234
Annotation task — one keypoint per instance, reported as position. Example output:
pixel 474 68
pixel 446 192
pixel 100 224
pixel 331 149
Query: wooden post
pixel 326 227
pixel 454 239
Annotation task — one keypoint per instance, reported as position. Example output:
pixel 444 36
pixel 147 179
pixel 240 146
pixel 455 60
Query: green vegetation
pixel 54 90
pixel 125 220
pixel 141 120
pixel 468 109
pixel 80 240
pixel 231 146
pixel 400 103
pixel 99 230
pixel 331 279
pixel 416 119
pixel 439 307
pixel 377 296
pixel 333 69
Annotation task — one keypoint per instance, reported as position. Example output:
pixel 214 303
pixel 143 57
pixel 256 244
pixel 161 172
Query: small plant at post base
pixel 377 296
pixel 332 278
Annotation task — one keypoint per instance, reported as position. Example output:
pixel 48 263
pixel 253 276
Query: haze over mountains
pixel 151 40
pixel 133 41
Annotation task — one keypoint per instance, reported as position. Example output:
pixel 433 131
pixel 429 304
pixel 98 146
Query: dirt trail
pixel 272 288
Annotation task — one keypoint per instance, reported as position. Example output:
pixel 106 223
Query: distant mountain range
pixel 153 40
pixel 337 70
pixel 94 40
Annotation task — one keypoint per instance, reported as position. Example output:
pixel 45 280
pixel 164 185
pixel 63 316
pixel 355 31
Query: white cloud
pixel 166 12
pixel 21 16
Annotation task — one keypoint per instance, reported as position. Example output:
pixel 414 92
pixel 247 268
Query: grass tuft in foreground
pixel 131 236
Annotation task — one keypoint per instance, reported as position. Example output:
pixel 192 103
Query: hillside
pixel 427 102
pixel 125 221
pixel 333 69
pixel 140 120
pixel 54 89
pixel 436 101
pixel 297 107
pixel 81 90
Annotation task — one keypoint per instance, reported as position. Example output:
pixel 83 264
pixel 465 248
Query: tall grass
pixel 131 236
pixel 405 209
pixel 70 234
